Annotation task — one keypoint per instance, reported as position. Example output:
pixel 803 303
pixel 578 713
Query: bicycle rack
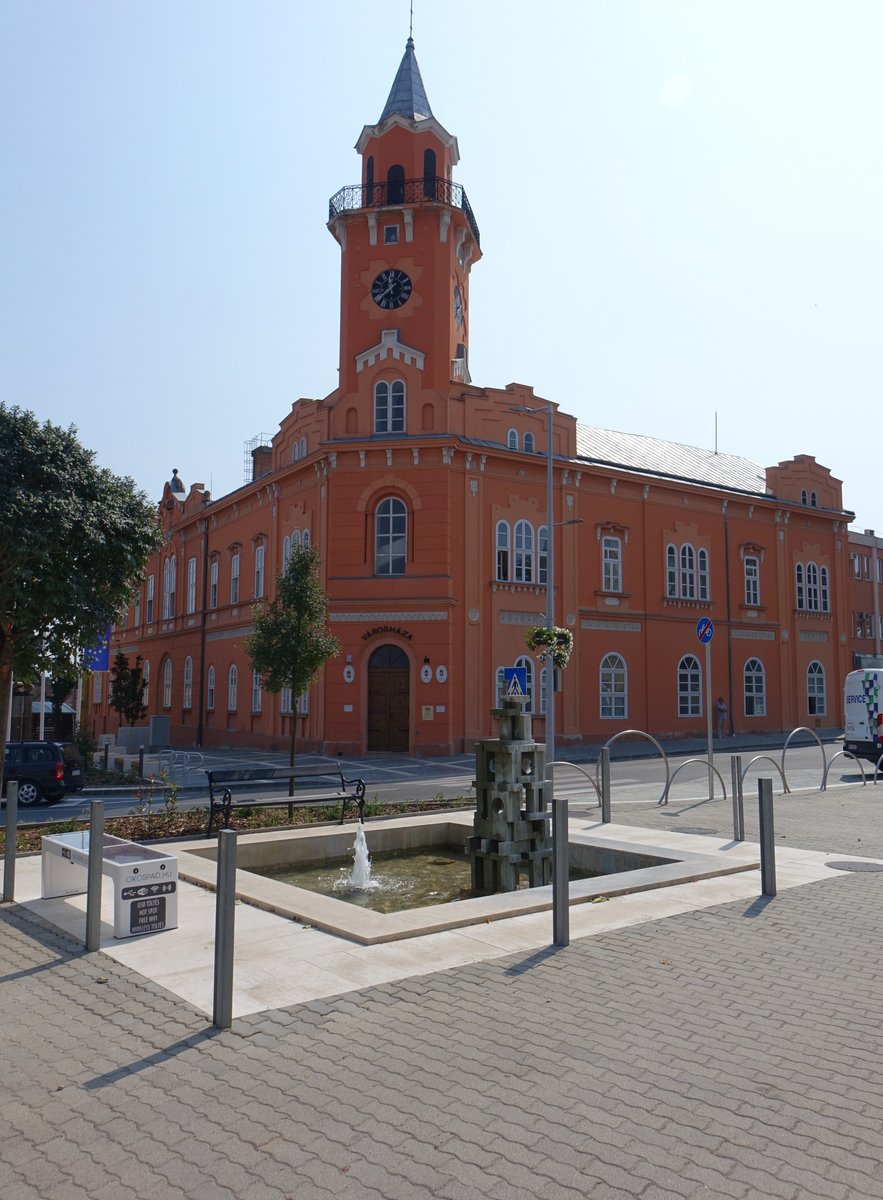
pixel 847 754
pixel 766 758
pixel 812 733
pixel 691 762
pixel 559 762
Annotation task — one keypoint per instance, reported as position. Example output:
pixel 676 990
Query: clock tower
pixel 408 239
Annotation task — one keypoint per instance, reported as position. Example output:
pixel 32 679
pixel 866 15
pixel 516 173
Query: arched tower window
pixel 512 439
pixel 395 185
pixel 390 537
pixel 389 406
pixel 429 174
pixel 369 180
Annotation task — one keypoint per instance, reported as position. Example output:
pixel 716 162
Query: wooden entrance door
pixel 389 700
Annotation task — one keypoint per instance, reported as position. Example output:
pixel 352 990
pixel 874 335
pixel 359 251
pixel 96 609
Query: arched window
pixel 167 684
pixel 145 683
pixel 815 689
pixel 303 447
pixel 823 589
pixel 544 689
pixel 137 613
pixel 390 537
pixel 213 585
pixel 389 406
pixel 499 686
pixel 169 573
pixel 702 573
pixel 259 571
pixel 395 185
pixel 187 696
pixel 191 585
pixel 286 552
pixel 369 179
pixel 613 682
pixel 688 572
pixel 803 496
pixel 512 439
pixel 813 500
pixel 671 571
pixel 429 174
pixel 812 587
pixel 295 538
pixel 257 692
pixel 150 593
pixel 232 684
pixel 527 663
pixel 752 580
pixel 611 564
pixel 689 687
pixel 306 538
pixel 295 453
pixel 754 683
pixel 523 552
pixel 800 577
pixel 210 689
pixel 529 443
pixel 543 555
pixel 503 551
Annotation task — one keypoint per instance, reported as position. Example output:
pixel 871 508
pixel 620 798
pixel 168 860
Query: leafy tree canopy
pixel 290 640
pixel 73 538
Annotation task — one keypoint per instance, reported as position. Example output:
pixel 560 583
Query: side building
pixel 426 496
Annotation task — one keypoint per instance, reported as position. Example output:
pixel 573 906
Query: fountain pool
pixel 617 864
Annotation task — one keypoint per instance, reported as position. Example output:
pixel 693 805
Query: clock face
pixel 391 288
pixel 458 305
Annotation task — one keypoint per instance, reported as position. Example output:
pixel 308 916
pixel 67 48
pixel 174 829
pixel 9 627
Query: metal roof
pixel 635 452
pixel 408 95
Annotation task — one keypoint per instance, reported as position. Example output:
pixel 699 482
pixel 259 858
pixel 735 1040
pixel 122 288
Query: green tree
pixel 73 537
pixel 290 640
pixel 127 689
pixel 62 681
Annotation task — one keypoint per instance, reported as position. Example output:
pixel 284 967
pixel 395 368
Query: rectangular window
pixel 191 585
pixel 611 556
pixel 259 572
pixel 752 581
pixel 234 579
pixel 256 692
pixel 138 608
pixel 390 235
pixel 285 700
pixel 867 565
pixel 213 586
pixel 150 586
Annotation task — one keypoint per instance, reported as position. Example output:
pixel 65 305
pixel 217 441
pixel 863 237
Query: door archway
pixel 389 700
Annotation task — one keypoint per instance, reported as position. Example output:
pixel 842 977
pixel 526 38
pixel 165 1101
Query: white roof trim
pixel 389 344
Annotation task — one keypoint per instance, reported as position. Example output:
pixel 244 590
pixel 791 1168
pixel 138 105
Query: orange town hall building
pixel 425 494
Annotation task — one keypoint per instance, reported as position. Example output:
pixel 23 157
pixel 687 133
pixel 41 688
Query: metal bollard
pixel 93 875
pixel 605 785
pixel 767 838
pixel 140 762
pixel 11 842
pixel 225 918
pixel 738 800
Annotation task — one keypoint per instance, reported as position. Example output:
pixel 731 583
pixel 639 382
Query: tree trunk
pixel 292 744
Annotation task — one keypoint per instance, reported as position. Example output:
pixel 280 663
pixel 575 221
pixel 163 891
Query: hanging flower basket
pixel 555 643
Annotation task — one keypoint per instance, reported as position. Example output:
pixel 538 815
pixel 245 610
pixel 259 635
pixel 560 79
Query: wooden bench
pixel 223 799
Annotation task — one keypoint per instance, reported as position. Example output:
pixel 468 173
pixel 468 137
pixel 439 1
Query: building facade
pixel 426 496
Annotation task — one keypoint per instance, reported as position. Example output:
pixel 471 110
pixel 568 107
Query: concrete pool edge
pixel 197 865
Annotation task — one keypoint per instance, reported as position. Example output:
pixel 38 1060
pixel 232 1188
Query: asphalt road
pixel 396 778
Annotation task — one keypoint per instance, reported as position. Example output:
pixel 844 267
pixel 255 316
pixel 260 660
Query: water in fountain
pixel 359 878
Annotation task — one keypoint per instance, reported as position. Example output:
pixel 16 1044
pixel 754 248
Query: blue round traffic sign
pixel 704 630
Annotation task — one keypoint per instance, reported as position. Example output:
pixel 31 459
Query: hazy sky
pixel 680 206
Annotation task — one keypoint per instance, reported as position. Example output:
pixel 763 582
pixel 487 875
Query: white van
pixel 863 705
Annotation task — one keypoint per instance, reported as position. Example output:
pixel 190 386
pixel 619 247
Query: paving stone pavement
pixel 733 1052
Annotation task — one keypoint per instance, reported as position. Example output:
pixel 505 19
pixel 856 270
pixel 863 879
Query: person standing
pixel 721 717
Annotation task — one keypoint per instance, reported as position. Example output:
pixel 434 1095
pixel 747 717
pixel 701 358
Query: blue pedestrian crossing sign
pixel 515 681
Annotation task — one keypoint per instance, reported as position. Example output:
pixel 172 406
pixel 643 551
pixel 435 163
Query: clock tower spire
pixel 408 239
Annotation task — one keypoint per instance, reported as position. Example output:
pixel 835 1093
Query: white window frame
pixel 257 692
pixel 671 571
pixel 187 689
pixel 232 688
pixel 754 688
pixel 145 683
pixel 689 687
pixel 503 552
pixel 816 692
pixel 523 544
pixel 751 570
pixel 151 587
pixel 512 439
pixel 611 563
pixel 389 406
pixel 613 688
pixel 390 537
pixel 191 585
pixel 210 689
pixel 167 684
pixel 687 572
pixel 234 578
pixel 529 444
pixel 259 556
pixel 214 571
pixel 543 556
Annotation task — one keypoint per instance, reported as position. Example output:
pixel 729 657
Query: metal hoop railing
pixel 559 762
pixel 641 734
pixel 766 758
pixel 846 754
pixel 812 733
pixel 691 762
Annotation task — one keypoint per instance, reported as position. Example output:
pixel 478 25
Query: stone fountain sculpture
pixel 512 827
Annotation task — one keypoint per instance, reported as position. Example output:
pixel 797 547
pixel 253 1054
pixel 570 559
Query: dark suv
pixel 43 770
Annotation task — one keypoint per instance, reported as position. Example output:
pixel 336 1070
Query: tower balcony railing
pixel 431 189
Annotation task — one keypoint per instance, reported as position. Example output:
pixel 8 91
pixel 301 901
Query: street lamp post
pixel 557 804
